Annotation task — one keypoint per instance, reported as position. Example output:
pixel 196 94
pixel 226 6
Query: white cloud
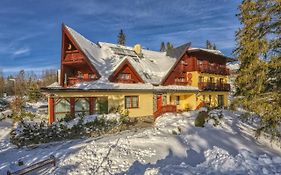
pixel 21 51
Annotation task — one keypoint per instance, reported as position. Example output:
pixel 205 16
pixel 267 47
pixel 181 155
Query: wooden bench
pixel 50 161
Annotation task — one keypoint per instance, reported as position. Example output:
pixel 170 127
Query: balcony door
pixel 220 100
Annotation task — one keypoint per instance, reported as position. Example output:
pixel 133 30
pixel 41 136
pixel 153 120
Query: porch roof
pixel 118 87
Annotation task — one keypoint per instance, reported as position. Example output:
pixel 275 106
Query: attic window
pixel 124 76
pixel 147 76
pixel 180 79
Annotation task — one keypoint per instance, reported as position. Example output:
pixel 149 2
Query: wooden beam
pixel 51 110
pixel 72 106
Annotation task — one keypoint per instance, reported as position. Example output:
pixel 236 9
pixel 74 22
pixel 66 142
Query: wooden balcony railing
pixel 34 167
pixel 73 80
pixel 165 109
pixel 213 69
pixel 214 86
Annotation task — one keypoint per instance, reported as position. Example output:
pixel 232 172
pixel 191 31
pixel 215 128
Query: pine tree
pixel 2 84
pixel 121 38
pixel 169 46
pixel 214 47
pixel 258 80
pixel 208 44
pixel 162 47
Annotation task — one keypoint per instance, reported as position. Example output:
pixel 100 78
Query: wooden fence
pixel 165 109
pixel 50 161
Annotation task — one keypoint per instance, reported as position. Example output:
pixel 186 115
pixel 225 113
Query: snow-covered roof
pixel 206 50
pixel 106 85
pixel 152 66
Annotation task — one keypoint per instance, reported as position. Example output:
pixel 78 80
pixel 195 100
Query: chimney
pixel 137 49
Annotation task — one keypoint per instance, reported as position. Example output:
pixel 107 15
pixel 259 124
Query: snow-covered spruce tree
pixel 162 47
pixel 121 38
pixel 258 50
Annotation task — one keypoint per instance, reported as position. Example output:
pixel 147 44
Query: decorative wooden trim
pixel 131 101
pixel 113 77
pixel 65 32
pixel 174 66
pixel 72 106
pixel 91 105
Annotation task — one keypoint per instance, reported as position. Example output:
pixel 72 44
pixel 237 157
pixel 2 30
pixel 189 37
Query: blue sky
pixel 30 31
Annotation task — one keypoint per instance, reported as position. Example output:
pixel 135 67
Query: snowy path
pixel 174 145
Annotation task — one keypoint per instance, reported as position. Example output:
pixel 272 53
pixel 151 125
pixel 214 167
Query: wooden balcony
pixel 213 69
pixel 72 57
pixel 165 109
pixel 214 86
pixel 75 79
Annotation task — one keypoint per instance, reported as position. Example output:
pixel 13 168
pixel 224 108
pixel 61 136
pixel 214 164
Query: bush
pixel 29 133
pixel 200 119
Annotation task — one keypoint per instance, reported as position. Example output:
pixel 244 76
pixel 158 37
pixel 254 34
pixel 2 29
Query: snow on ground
pixel 172 146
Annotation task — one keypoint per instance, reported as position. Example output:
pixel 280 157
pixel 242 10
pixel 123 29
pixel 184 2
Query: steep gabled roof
pixel 215 53
pixel 83 45
pixel 118 69
pixel 178 51
pixel 152 66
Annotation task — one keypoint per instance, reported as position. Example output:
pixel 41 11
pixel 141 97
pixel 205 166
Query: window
pixel 210 98
pixel 100 105
pixel 201 79
pixel 212 80
pixel 124 76
pixel 180 79
pixel 177 100
pixel 220 100
pixel 164 100
pixel 131 102
pixel 204 98
pixel 82 106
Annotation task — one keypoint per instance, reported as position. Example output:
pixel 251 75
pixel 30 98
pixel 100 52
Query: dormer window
pixel 124 76
pixel 180 79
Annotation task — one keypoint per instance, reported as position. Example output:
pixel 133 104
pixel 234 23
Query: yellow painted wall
pixel 195 77
pixel 116 99
pixel 214 98
pixel 187 101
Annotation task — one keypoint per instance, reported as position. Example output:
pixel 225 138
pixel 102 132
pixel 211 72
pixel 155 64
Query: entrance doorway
pixel 159 102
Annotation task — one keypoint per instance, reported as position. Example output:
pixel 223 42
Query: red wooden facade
pixel 51 106
pixel 75 66
pixel 214 86
pixel 125 73
pixel 193 62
